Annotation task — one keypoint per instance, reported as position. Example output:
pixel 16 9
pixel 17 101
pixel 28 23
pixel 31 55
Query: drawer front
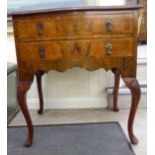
pixel 76 50
pixel 39 51
pixel 71 25
pixel 112 48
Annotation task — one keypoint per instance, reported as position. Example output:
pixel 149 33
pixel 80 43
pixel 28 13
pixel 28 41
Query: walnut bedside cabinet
pixel 90 37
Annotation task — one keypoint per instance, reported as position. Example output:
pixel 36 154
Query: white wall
pixel 75 88
pixel 11 54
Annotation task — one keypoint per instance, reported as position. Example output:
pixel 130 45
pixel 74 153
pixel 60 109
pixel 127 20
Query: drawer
pixel 112 48
pixel 68 26
pixel 35 51
pixel 76 50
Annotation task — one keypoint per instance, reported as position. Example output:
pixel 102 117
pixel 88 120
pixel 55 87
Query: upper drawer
pixel 69 25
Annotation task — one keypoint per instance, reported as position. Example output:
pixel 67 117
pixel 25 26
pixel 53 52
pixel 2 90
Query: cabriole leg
pixel 134 87
pixel 23 87
pixel 39 86
pixel 116 89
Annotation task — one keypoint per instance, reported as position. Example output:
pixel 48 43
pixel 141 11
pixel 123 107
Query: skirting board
pixel 69 103
pixel 124 98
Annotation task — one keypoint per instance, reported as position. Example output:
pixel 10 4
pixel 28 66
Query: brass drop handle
pixel 40 28
pixel 42 52
pixel 109 26
pixel 108 49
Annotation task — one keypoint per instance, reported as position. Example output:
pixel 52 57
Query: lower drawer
pixel 75 49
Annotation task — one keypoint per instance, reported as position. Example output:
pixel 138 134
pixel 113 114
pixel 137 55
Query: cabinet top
pixel 27 7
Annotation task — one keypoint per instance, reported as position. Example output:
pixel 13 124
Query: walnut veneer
pixel 87 37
